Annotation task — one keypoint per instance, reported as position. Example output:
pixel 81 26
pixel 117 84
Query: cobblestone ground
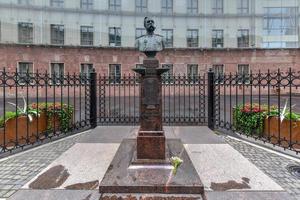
pixel 19 169
pixel 271 164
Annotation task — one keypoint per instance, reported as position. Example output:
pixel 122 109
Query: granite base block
pixel 121 177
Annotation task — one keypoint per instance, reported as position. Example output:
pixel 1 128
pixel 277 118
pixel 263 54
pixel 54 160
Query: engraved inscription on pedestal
pixel 151 92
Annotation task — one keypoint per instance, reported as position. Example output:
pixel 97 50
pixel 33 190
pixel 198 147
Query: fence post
pixel 211 99
pixel 93 98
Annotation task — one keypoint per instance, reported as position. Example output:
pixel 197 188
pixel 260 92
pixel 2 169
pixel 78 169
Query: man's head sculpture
pixel 150 43
pixel 149 25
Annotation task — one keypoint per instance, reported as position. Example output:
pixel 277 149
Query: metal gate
pixel 183 100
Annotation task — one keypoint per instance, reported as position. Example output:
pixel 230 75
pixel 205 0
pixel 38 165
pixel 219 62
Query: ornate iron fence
pixel 36 107
pixel 265 106
pixel 183 100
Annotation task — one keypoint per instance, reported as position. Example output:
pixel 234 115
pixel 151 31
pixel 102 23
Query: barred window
pixel 168 35
pixel 86 35
pixel 167 6
pixel 141 6
pixel 114 73
pixel 192 6
pixel 219 72
pixel 57 73
pixel 243 73
pixel 86 4
pixel 192 38
pixel 243 6
pixel 168 76
pixel 114 5
pixel 217 6
pixel 25 32
pixel 243 38
pixel 57 34
pixel 115 36
pixel 139 32
pixel 24 70
pixel 217 39
pixel 57 3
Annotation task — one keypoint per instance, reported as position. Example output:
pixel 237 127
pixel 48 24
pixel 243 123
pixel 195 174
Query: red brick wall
pixel 100 57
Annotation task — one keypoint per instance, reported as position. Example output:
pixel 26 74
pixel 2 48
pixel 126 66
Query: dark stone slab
pixel 122 177
pixel 151 145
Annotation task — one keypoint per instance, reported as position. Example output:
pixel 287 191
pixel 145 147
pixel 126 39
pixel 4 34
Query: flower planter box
pixel 273 131
pixel 36 128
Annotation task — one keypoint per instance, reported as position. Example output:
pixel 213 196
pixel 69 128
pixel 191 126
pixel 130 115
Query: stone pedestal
pixel 151 138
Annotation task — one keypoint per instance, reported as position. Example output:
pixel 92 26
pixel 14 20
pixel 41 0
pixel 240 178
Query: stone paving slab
pixel 85 163
pixel 247 195
pixel 222 168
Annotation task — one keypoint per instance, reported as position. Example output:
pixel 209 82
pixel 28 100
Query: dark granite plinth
pixel 123 177
pixel 151 145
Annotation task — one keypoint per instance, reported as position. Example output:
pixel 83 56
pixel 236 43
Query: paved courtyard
pixel 266 170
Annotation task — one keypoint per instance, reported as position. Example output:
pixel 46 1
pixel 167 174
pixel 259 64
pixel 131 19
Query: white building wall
pixel 42 15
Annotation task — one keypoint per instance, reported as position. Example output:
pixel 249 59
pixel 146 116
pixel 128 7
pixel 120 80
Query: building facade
pixel 101 33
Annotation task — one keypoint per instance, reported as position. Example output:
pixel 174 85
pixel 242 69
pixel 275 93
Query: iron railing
pixel 183 100
pixel 265 106
pixel 39 106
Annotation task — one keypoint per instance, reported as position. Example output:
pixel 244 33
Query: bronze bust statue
pixel 150 43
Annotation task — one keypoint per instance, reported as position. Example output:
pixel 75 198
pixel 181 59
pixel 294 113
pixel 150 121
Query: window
pixel 167 77
pixel 85 70
pixel 25 69
pixel 243 73
pixel 217 38
pixel 141 6
pixel 192 72
pixel 167 6
pixel 192 38
pixel 243 6
pixel 57 3
pixel 25 32
pixel 57 73
pixel 86 4
pixel 168 35
pixel 192 6
pixel 115 36
pixel 114 5
pixel 280 21
pixel 217 6
pixel 280 44
pixel 57 34
pixel 24 2
pixel 115 73
pixel 219 72
pixel 86 35
pixel 243 38
pixel 139 32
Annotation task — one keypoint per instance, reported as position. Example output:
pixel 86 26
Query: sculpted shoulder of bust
pixel 150 42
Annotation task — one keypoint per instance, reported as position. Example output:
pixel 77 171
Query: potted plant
pixel 249 118
pixel 34 122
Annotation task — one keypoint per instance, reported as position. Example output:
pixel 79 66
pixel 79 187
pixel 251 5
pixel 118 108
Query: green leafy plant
pixel 249 118
pixel 176 162
pixel 64 112
pixel 8 115
pixel 29 112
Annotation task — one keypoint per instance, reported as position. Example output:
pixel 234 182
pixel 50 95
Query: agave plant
pixel 30 113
